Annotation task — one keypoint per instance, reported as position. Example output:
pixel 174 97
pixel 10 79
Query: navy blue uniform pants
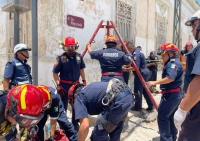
pixel 167 107
pixel 115 114
pixel 138 88
pixel 153 75
pixel 64 124
pixel 107 78
pixel 126 76
pixel 190 127
pixel 65 102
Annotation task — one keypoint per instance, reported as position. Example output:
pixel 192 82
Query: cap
pixel 19 47
pixel 188 43
pixel 152 52
pixel 194 17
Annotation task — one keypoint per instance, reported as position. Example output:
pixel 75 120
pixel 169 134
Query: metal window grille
pixel 124 19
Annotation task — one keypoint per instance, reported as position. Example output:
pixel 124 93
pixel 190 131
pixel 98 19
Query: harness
pixel 115 86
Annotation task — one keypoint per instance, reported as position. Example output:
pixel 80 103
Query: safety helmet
pixel 5 125
pixel 20 47
pixel 111 39
pixel 194 17
pixel 25 104
pixel 167 47
pixel 74 89
pixel 70 45
pixel 69 41
pixel 47 100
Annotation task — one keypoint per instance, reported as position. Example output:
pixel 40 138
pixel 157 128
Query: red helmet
pixel 69 41
pixel 25 104
pixel 167 47
pixel 70 45
pixel 74 89
pixel 46 96
pixel 111 39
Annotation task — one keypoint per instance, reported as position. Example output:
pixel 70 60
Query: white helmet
pixel 196 16
pixel 19 47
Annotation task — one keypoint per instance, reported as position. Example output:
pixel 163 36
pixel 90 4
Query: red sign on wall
pixel 75 21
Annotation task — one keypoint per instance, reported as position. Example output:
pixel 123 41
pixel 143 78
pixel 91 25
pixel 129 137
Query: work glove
pixel 129 54
pixel 60 90
pixel 179 117
pixel 51 138
pixel 84 82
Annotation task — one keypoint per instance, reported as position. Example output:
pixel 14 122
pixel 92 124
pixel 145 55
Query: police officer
pixel 152 64
pixel 19 107
pixel 71 66
pixel 187 117
pixel 111 60
pixel 17 71
pixel 55 109
pixel 140 62
pixel 171 92
pixel 111 101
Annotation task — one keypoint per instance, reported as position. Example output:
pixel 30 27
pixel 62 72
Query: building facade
pixel 148 23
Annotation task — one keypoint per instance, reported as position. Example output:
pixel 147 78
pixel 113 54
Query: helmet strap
pixel 197 32
pixel 23 55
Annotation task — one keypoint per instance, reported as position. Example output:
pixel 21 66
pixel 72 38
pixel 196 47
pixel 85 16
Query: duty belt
pixel 112 73
pixel 173 90
pixel 69 81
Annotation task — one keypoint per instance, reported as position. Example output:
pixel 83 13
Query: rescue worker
pixel 111 60
pixel 19 108
pixel 171 91
pixel 70 66
pixel 187 117
pixel 140 48
pixel 111 101
pixel 140 62
pixel 152 64
pixel 17 71
pixel 188 47
pixel 126 72
pixel 55 109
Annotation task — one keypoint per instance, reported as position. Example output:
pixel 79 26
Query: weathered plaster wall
pixel 52 26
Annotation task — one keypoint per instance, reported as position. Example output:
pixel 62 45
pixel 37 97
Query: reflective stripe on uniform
pixel 24 82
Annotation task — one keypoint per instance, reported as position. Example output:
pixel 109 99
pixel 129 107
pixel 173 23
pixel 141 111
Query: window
pixel 124 19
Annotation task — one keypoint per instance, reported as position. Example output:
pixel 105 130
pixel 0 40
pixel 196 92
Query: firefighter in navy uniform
pixel 187 117
pixel 170 84
pixel 111 60
pixel 152 64
pixel 54 108
pixel 140 62
pixel 19 107
pixel 71 66
pixel 111 101
pixel 17 71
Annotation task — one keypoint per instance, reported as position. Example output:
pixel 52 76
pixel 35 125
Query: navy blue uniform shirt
pixel 139 58
pixel 172 69
pixel 152 60
pixel 111 59
pixel 54 110
pixel 18 71
pixel 69 67
pixel 193 67
pixel 93 93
